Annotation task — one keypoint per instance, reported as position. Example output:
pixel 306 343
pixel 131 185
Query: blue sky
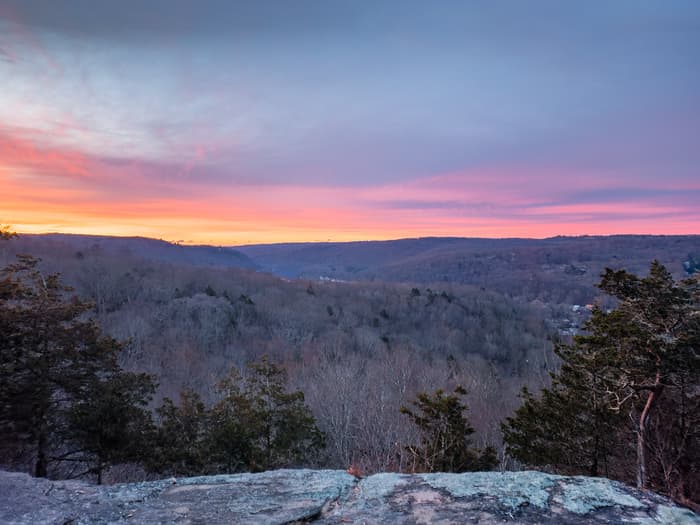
pixel 315 120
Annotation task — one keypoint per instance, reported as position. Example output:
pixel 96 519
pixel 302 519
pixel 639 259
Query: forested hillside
pixel 555 270
pixel 144 248
pixel 359 351
pixel 224 369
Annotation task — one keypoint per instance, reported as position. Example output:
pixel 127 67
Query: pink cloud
pixel 16 151
pixel 48 187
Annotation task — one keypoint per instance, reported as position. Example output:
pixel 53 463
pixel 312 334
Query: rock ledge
pixel 334 497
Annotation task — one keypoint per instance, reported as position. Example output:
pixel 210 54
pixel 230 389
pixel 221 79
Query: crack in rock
pixel 295 497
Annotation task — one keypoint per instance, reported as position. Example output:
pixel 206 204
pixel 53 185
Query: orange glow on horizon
pixel 54 190
pixel 118 121
pixel 202 229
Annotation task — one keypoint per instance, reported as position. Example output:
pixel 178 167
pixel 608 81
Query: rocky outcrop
pixel 335 497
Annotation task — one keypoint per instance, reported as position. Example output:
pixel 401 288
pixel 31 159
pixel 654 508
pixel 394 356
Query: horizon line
pixel 370 240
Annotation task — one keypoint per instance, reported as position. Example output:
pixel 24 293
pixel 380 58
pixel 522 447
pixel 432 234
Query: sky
pixel 227 122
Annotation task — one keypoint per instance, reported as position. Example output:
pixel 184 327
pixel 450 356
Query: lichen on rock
pixel 333 496
pixel 510 489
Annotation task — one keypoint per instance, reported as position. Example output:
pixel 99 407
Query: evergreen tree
pixel 655 332
pixel 267 426
pixel 256 425
pixel 181 441
pixel 110 423
pixel 53 359
pixel 570 427
pixel 633 360
pixel 233 433
pixel 445 443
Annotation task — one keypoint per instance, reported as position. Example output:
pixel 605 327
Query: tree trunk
pixel 594 463
pixel 41 465
pixel 641 432
pixel 641 458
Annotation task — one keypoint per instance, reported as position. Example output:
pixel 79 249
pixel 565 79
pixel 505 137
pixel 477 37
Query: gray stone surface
pixel 493 497
pixel 281 496
pixel 335 497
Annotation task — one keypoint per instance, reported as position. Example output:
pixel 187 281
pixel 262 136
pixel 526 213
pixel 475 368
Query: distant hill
pixel 475 312
pixel 350 259
pixel 359 351
pixel 141 247
pixel 558 269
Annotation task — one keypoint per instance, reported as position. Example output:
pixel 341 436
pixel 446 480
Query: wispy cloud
pixel 238 122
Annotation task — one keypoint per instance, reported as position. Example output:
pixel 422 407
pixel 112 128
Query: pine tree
pixel 446 435
pixel 256 425
pixel 46 350
pixel 110 422
pixel 233 433
pixel 655 331
pixel 180 444
pixel 271 426
pixel 52 360
pixel 570 427
pixel 633 360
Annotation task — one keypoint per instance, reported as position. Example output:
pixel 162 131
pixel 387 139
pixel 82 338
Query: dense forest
pixel 228 369
pixel 554 270
pixel 625 403
pixel 359 351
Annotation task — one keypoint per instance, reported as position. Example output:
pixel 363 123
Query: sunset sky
pixel 231 122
